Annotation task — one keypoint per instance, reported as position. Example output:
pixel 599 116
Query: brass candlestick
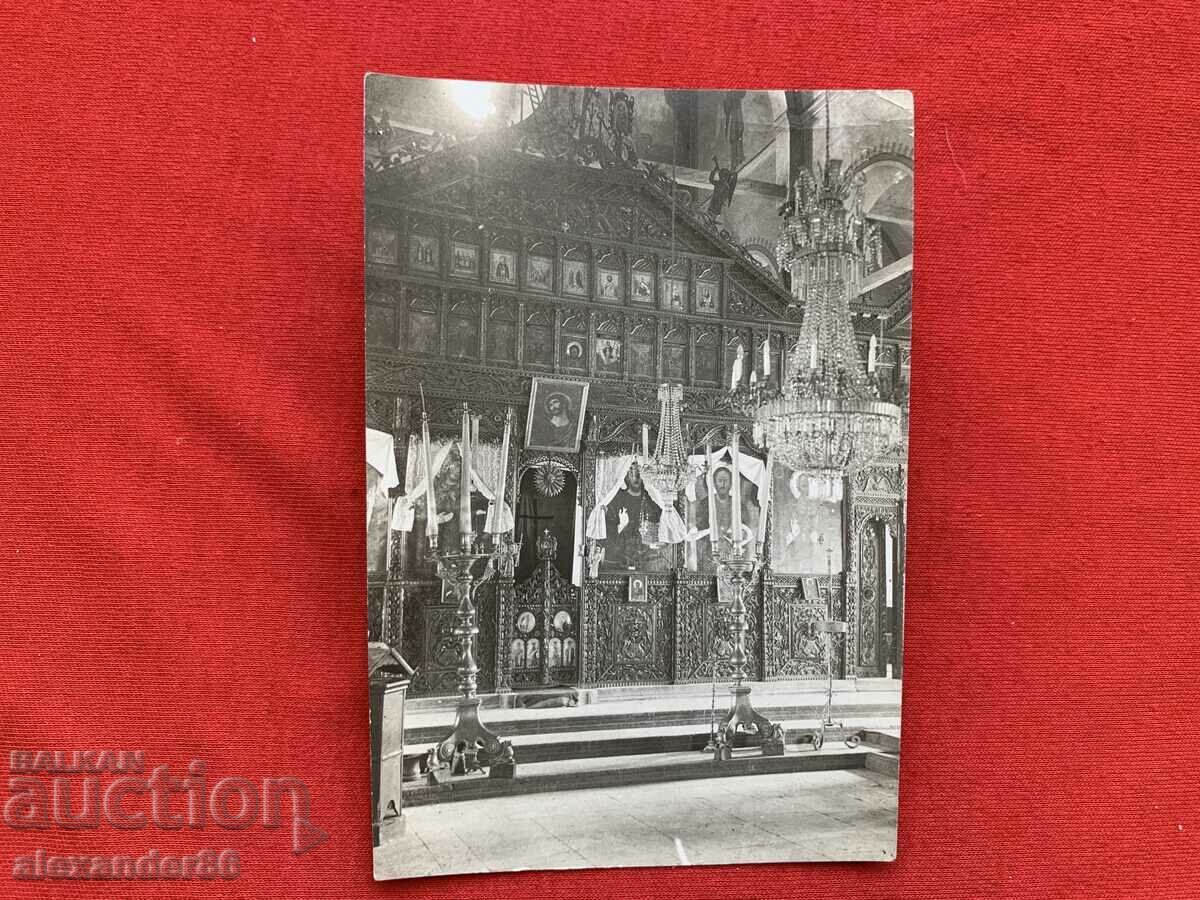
pixel 470 745
pixel 739 569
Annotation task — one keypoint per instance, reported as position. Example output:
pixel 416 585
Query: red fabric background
pixel 181 450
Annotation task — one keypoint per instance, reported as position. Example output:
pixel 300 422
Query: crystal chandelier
pixel 668 470
pixel 826 419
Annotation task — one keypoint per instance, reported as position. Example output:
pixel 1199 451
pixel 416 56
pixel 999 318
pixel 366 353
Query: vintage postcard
pixel 637 379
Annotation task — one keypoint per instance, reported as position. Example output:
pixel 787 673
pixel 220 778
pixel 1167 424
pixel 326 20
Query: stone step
pixel 884 764
pixel 547 746
pixel 511 724
pixel 575 774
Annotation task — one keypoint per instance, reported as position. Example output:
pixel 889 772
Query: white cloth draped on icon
pixel 485 465
pixel 610 478
pixel 382 458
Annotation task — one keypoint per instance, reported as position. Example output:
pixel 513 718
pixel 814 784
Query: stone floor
pixel 794 817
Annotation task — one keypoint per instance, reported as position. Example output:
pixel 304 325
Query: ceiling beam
pixel 888 273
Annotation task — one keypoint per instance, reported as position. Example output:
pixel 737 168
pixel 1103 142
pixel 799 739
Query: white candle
pixel 763 500
pixel 871 355
pixel 464 488
pixel 431 523
pixel 753 377
pixel 502 487
pixel 737 491
pixel 766 348
pixel 713 531
pixel 812 356
pixel 645 441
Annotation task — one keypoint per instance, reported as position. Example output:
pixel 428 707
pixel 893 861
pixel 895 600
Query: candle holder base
pixel 472 747
pixel 742 715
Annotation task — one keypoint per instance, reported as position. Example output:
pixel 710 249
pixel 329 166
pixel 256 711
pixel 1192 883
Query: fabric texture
pixel 181 269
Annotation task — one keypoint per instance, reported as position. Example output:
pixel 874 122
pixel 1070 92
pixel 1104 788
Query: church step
pixel 679 694
pixel 617 771
pixel 545 747
pixel 428 729
pixel 884 764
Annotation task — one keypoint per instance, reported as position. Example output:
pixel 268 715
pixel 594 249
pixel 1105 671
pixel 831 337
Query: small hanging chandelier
pixel 668 470
pixel 826 419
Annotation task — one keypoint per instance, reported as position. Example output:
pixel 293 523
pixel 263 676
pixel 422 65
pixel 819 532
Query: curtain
pixel 485 475
pixel 382 459
pixel 610 478
pixel 405 511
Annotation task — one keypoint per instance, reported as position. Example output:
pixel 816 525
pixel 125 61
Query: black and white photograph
pixel 637 392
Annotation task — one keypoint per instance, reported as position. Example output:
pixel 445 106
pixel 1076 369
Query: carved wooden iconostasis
pixel 488 267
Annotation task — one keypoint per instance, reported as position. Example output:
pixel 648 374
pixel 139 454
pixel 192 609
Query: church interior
pixel 637 372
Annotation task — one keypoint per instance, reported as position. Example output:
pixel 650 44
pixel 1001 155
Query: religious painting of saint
pixel 706 296
pixel 504 267
pixel 539 273
pixel 698 513
pixel 637 589
pixel 465 260
pixel 643 287
pixel 641 359
pixel 556 410
pixel 674 293
pixel 572 354
pixel 423 252
pixel 804 527
pixel 382 244
pixel 631 520
pixel 609 287
pixel 608 356
pixel 574 273
pixel 526 622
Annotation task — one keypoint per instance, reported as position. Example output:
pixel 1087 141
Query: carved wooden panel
pixel 705 631
pixel 793 647
pixel 865 579
pixel 629 643
pixel 375 594
pixel 429 643
pixel 870 592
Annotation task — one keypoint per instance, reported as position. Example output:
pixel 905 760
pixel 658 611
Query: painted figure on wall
pixel 631 519
pixel 609 285
pixel 800 521
pixel 723 501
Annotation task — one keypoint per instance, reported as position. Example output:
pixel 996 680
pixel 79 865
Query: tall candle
pixel 464 488
pixel 763 500
pixel 645 440
pixel 431 523
pixel 737 490
pixel 502 485
pixel 812 356
pixel 871 355
pixel 713 530
pixel 767 358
